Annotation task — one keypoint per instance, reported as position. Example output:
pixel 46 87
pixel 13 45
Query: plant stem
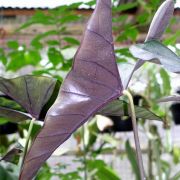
pixel 27 140
pixel 136 137
pixel 84 154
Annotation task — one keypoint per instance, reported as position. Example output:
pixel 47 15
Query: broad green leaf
pixel 55 56
pixel 14 116
pixel 154 50
pixel 21 58
pixel 13 44
pixel 4 174
pixel 71 40
pixel 3 57
pixel 121 108
pixel 131 154
pixel 101 170
pixel 31 92
pixel 125 7
pixel 32 57
pixel 38 18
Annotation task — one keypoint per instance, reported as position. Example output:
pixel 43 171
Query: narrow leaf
pixel 121 108
pixel 31 92
pixel 91 84
pixel 151 50
pixel 175 98
pixel 13 115
pixel 133 160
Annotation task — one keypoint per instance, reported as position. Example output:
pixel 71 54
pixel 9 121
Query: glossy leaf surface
pixel 92 83
pixel 31 92
pixel 151 50
pixel 121 108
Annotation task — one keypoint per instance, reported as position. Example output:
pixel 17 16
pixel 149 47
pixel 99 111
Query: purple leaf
pixel 12 154
pixel 13 115
pixel 158 26
pixel 91 84
pixel 161 20
pixel 31 92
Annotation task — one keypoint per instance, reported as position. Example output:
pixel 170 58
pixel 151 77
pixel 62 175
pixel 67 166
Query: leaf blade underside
pixel 151 50
pixel 31 92
pixel 158 25
pixel 92 83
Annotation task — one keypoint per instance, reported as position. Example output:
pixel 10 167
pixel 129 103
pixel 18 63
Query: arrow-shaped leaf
pixel 121 108
pixel 158 26
pixel 31 92
pixel 161 20
pixel 151 50
pixel 91 84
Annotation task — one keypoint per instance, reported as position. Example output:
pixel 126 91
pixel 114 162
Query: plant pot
pixel 8 128
pixel 175 109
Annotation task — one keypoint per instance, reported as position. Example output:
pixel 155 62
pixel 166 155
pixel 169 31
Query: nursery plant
pixel 93 86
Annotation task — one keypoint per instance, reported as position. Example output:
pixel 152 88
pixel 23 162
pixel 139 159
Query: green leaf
pixel 131 154
pixel 154 50
pixel 53 42
pixel 4 174
pixel 121 108
pixel 31 92
pixel 13 44
pixel 71 40
pixel 55 56
pixel 14 116
pixel 125 7
pixel 16 60
pixel 166 89
pixel 32 57
pixel 101 170
pixel 21 58
pixel 3 57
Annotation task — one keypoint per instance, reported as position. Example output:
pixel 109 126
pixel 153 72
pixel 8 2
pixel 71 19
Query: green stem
pixel 27 141
pixel 136 137
pixel 84 154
